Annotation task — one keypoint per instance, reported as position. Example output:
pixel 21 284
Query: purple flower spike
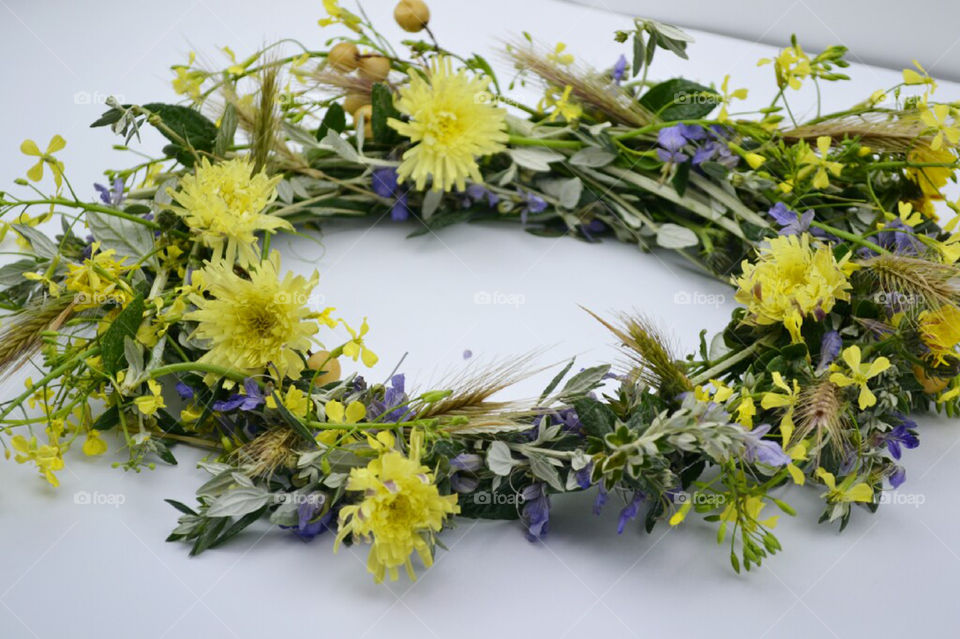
pixel 536 511
pixel 898 476
pixel 901 436
pixel 620 69
pixel 830 345
pixel 630 511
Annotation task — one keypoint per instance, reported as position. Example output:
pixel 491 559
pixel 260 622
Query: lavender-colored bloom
pixel 478 192
pixel 764 451
pixel 532 203
pixel 467 354
pixel 620 69
pixel 111 196
pixel 899 238
pixel 308 526
pixel 830 345
pixel 671 141
pixel 901 435
pixel 463 483
pixel 252 398
pixel 584 475
pixel 693 132
pixel 467 461
pixel 601 499
pixel 591 227
pixel 898 476
pixel 630 511
pixel 184 391
pixel 384 183
pixel 716 152
pixel 536 511
pixel 393 407
pixel 791 222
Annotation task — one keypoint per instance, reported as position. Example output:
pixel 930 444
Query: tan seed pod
pixel 367 112
pixel 412 15
pixel 374 68
pixel 321 360
pixel 343 57
pixel 354 101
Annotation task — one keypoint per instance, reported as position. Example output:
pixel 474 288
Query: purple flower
pixel 897 476
pixel 463 483
pixel 308 526
pixel 111 196
pixel 764 451
pixel 393 407
pixel 671 141
pixel 536 511
pixel 252 398
pixel 384 183
pixel 467 461
pixel 899 238
pixel 620 69
pixel 901 435
pixel 791 222
pixel 830 345
pixel 467 354
pixel 478 192
pixel 591 227
pixel 693 132
pixel 716 152
pixel 584 475
pixel 630 511
pixel 184 391
pixel 601 499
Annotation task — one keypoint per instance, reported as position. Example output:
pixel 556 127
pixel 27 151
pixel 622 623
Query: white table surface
pixel 70 570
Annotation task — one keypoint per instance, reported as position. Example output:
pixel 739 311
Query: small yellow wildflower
pixel 559 57
pixel 35 173
pixel 338 15
pixel 727 96
pixel 295 401
pixel 561 106
pixel 791 280
pixel 150 404
pixel 930 179
pixel 223 204
pixel 860 373
pixel 452 121
pixel 920 76
pixel 746 411
pixel 94 446
pixel 820 163
pixel 786 400
pixel 253 322
pixel 337 414
pixel 97 281
pixel 847 491
pixel 791 66
pixel 940 331
pixel 356 348
pixel 750 508
pixel 935 118
pixel 47 458
pixel 401 510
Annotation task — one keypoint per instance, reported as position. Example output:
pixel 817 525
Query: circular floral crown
pixel 161 315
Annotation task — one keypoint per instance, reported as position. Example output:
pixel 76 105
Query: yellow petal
pixel 355 412
pixel 35 172
pixel 827 478
pixel 334 411
pixel 796 474
pixel 860 492
pixel 867 398
pixel 56 144
pixel 29 147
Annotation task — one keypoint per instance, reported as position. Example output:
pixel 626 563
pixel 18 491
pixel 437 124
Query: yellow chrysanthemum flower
pixel 253 322
pixel 223 203
pixel 940 331
pixel 401 510
pixel 791 280
pixel 452 121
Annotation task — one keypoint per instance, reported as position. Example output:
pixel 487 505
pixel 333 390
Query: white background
pixel 883 32
pixel 68 570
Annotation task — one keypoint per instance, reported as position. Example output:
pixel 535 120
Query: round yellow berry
pixel 321 360
pixel 412 15
pixel 374 68
pixel 354 101
pixel 343 57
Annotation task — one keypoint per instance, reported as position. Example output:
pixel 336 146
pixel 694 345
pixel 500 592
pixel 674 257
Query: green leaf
pixel 584 381
pixel 556 380
pixel 189 124
pixel 295 424
pixel 638 53
pixel 107 419
pixel 478 62
pixel 125 324
pixel 334 119
pixel 42 245
pixel 597 418
pixel 238 526
pixel 239 502
pixel 186 510
pixel 226 132
pixel 12 274
pixel 126 237
pixel 209 533
pixel 680 99
pixel 382 100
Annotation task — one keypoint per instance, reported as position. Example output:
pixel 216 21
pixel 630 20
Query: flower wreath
pixel 161 314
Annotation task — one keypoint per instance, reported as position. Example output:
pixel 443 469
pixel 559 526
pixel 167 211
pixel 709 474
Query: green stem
pixel 198 367
pixel 852 237
pixel 53 374
pixel 727 363
pixel 516 140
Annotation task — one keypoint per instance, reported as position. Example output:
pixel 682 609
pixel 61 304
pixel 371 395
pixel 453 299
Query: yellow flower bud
pixel 321 360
